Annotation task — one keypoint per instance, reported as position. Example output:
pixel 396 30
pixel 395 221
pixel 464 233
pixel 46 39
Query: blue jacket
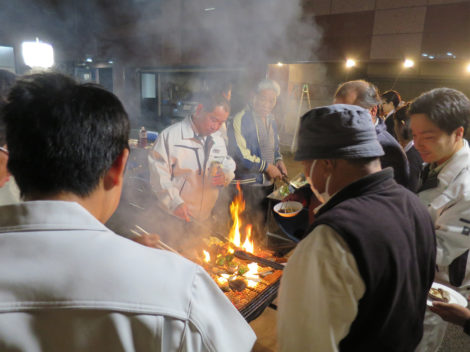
pixel 243 147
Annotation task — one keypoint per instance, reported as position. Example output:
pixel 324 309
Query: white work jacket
pixel 449 206
pixel 180 165
pixel 67 283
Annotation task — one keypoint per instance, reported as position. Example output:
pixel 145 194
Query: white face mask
pixel 324 196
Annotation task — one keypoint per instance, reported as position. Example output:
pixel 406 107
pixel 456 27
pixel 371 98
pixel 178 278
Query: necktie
pixel 428 178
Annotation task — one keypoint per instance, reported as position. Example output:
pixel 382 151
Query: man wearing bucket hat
pixel 357 282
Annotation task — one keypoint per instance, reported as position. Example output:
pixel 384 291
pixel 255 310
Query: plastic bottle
pixel 142 137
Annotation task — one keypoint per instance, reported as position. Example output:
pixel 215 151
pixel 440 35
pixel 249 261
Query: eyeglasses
pixel 4 150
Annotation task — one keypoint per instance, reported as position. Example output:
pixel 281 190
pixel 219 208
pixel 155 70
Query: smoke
pixel 228 34
pixel 159 32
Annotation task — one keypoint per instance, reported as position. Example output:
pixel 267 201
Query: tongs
pixel 286 180
pixel 248 256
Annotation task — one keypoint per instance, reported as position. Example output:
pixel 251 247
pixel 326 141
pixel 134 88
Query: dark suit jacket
pixel 394 156
pixel 416 165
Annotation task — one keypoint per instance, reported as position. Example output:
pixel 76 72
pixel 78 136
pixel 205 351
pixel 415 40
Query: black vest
pixel 391 236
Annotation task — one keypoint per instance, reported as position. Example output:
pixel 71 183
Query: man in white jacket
pixel 68 283
pixel 439 120
pixel 189 162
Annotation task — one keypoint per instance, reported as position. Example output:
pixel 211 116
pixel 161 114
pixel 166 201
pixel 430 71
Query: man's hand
pixel 273 172
pixel 150 240
pixel 282 168
pixel 452 313
pixel 218 179
pixel 182 212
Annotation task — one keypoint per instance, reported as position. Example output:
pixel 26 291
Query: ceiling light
pixel 424 54
pixel 468 68
pixel 449 53
pixel 89 59
pixel 408 63
pixel 431 57
pixel 209 9
pixel 38 54
pixel 350 63
pixel 280 64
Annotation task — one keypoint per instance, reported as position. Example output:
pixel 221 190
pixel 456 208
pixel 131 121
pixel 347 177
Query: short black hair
pixel 210 101
pixel 62 136
pixel 445 107
pixel 7 80
pixel 402 118
pixel 392 96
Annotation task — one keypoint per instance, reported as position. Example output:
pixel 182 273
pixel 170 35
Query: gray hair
pixel 268 84
pixel 367 93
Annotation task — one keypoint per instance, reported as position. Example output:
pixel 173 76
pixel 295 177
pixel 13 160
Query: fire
pixel 222 280
pixel 207 256
pixel 251 275
pixel 236 208
pixel 248 245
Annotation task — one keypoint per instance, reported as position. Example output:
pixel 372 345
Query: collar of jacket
pixel 47 215
pixel 187 129
pixel 458 162
pixel 380 127
pixel 188 132
pixel 360 187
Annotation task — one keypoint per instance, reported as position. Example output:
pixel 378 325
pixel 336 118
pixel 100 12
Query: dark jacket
pixel 390 125
pixel 391 237
pixel 416 166
pixel 244 148
pixel 394 156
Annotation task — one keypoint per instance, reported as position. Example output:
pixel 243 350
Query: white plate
pixel 296 206
pixel 455 297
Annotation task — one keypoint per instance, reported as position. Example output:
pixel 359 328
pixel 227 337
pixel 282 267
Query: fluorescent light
pixel 449 54
pixel 209 9
pixel 350 63
pixel 431 57
pixel 424 54
pixel 408 63
pixel 38 54
pixel 89 59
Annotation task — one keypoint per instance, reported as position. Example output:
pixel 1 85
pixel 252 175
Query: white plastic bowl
pixel 293 207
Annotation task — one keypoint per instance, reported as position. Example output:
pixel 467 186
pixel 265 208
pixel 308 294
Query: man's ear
pixel 199 110
pixel 329 164
pixel 459 132
pixel 115 175
pixel 373 111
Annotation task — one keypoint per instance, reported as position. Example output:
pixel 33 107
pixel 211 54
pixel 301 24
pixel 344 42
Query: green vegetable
pixel 220 260
pixel 229 258
pixel 242 269
pixel 284 190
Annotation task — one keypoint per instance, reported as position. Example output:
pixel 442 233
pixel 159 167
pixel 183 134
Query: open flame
pixel 236 208
pixel 207 256
pixel 248 245
pixel 251 275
